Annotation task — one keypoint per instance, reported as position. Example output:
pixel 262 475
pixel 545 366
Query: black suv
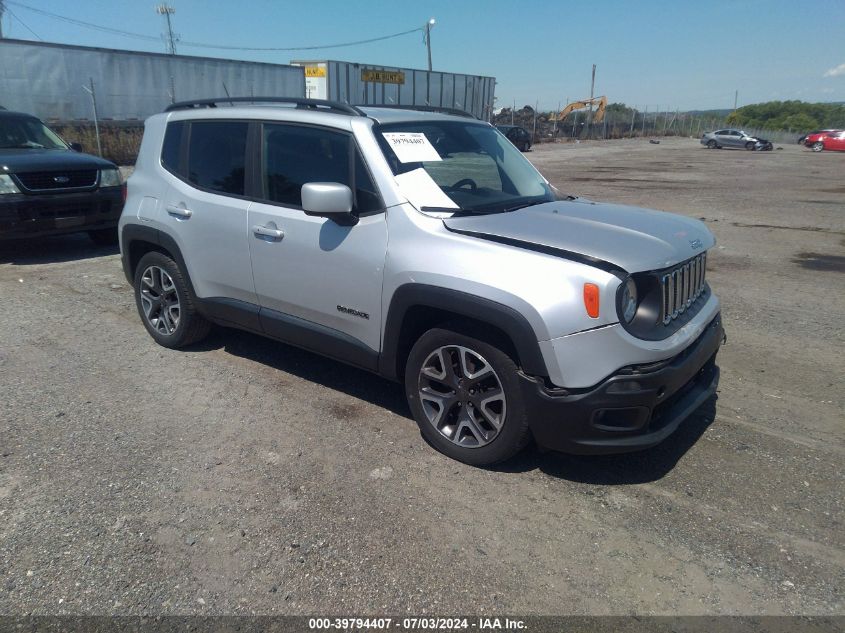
pixel 519 136
pixel 48 188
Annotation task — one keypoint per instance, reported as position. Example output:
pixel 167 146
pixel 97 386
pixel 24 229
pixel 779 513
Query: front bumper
pixel 23 215
pixel 636 408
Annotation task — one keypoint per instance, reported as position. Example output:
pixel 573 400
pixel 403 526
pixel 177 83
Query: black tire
pixel 817 146
pixel 750 146
pixel 513 434
pixel 190 326
pixel 711 144
pixel 104 237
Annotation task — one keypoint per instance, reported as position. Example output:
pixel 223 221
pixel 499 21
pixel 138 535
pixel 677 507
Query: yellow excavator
pixel 598 117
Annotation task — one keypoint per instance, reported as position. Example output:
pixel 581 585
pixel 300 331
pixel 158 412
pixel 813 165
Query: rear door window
pixel 217 156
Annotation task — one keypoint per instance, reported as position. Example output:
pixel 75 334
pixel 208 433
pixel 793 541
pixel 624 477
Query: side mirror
pixel 329 200
pixel 76 147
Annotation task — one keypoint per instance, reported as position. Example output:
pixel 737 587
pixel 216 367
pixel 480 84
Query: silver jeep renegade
pixel 422 246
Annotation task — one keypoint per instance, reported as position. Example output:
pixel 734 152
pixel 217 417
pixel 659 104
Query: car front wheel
pixel 749 145
pixel 711 144
pixel 818 146
pixel 465 396
pixel 164 302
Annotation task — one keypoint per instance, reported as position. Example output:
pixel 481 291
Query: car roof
pixel 399 115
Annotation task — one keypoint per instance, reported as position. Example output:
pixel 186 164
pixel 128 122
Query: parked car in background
pixel 802 139
pixel 829 140
pixel 49 187
pixel 728 137
pixel 517 135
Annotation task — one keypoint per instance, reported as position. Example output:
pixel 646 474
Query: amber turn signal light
pixel 591 300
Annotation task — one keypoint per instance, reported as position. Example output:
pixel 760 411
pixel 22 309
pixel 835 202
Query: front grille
pixel 681 286
pixel 49 180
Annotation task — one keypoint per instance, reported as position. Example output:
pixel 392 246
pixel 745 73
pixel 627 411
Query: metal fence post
pixel 91 92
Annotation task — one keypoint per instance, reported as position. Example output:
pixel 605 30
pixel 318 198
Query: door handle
pixel 180 211
pixel 266 231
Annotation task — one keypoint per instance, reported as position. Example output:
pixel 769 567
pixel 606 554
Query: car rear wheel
pixel 164 302
pixel 465 396
pixel 711 144
pixel 817 146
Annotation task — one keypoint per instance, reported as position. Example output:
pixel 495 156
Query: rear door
pixel 315 278
pixel 205 209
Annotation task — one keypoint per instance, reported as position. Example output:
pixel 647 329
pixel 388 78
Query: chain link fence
pixel 635 122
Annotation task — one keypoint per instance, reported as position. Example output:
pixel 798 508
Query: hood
pixel 23 160
pixel 630 238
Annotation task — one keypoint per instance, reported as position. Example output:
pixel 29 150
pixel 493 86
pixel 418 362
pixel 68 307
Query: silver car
pixel 426 249
pixel 737 139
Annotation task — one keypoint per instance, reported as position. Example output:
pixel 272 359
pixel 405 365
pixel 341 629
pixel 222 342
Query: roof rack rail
pixel 300 102
pixel 425 108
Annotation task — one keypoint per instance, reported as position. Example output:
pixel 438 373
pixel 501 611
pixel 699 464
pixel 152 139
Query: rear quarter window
pixel 171 148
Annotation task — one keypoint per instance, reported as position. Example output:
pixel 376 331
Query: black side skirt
pixel 289 329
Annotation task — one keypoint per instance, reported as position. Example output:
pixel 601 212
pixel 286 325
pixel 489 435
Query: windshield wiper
pixel 523 205
pixel 440 209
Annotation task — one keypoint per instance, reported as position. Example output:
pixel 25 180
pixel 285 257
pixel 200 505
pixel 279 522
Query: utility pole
pixel 736 96
pixel 2 9
pixel 592 88
pixel 428 26
pixel 167 11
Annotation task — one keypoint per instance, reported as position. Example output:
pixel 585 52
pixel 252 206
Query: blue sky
pixel 683 54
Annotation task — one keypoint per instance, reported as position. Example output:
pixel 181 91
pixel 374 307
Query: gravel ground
pixel 244 476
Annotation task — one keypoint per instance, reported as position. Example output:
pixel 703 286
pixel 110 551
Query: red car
pixel 832 139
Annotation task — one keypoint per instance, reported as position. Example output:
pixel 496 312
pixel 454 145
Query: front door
pixel 315 278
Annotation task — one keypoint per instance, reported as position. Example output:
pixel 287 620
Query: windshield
pixel 473 164
pixel 27 133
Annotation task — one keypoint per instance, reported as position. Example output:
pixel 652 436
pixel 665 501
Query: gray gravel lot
pixel 244 476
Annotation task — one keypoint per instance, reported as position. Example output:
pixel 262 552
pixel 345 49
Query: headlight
pixel 7 185
pixel 110 178
pixel 629 300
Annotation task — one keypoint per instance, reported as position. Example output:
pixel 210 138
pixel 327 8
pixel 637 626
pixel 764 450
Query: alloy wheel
pixel 462 396
pixel 159 300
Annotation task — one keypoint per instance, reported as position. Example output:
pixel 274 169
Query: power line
pixel 107 29
pixel 97 27
pixel 24 24
pixel 300 48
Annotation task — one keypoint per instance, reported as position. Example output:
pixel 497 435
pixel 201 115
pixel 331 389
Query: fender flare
pixel 503 317
pixel 137 233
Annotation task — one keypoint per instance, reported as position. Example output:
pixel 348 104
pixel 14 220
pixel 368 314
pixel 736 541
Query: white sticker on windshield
pixel 422 191
pixel 411 147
